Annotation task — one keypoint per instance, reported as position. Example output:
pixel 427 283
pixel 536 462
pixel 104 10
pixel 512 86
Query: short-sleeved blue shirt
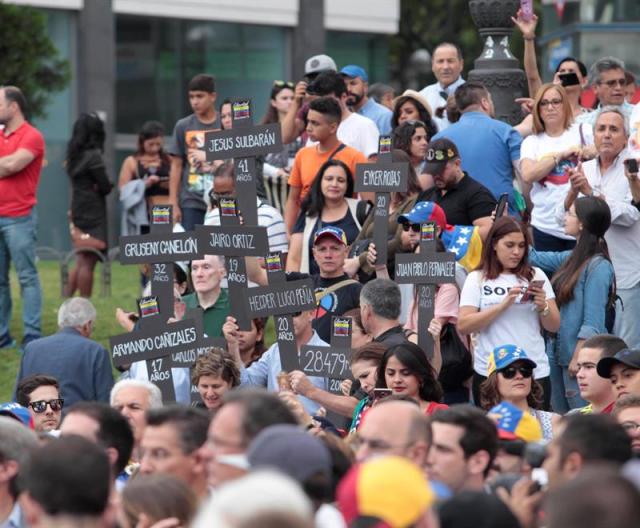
pixel 487 149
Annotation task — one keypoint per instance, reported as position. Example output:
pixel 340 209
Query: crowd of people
pixel 526 413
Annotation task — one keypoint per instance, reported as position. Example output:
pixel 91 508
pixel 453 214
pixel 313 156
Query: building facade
pixel 131 61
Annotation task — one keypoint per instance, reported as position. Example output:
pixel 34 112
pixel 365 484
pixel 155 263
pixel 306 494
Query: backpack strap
pixel 333 288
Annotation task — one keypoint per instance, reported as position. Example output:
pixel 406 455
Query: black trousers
pixel 545 382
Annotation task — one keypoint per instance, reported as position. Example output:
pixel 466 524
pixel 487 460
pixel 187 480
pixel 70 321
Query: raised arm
pixel 528 30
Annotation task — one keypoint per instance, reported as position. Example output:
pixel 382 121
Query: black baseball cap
pixel 440 152
pixel 626 356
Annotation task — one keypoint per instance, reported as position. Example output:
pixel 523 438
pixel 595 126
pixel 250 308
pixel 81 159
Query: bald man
pixel 394 428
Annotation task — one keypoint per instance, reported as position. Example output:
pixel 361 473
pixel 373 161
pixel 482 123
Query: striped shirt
pixel 269 217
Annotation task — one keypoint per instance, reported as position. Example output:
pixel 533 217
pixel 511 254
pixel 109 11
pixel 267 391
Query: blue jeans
pixel 192 217
pixel 565 393
pixel 626 325
pixel 18 244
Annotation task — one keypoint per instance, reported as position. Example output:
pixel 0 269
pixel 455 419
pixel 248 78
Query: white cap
pixel 319 63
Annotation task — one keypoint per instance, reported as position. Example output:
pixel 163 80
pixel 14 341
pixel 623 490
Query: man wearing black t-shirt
pixel 335 292
pixel 464 200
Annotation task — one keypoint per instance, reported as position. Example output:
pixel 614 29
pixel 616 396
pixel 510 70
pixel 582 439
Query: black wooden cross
pixel 425 269
pixel 332 362
pixel 234 241
pixel 281 299
pixel 160 248
pixel 383 178
pixel 243 143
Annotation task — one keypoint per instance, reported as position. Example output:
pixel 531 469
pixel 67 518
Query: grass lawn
pixel 125 288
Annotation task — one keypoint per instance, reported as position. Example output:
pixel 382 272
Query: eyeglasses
pixel 416 123
pixel 296 314
pixel 630 427
pixel 414 227
pixel 510 372
pixel 551 102
pixel 283 84
pixel 614 82
pixel 40 406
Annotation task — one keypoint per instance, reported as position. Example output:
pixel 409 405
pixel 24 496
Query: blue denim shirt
pixel 583 316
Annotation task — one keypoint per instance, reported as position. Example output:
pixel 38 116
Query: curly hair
pixel 216 362
pixel 490 397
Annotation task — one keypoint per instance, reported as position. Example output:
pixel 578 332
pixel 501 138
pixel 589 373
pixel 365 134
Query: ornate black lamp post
pixel 496 67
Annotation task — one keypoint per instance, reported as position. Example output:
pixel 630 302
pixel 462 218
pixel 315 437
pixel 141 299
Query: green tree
pixel 426 23
pixel 28 58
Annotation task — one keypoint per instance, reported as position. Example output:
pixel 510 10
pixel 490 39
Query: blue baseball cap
pixel 18 412
pixel 425 212
pixel 331 231
pixel 354 71
pixel 504 355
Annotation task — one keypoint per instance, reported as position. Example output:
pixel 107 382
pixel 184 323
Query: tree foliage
pixel 28 58
pixel 426 23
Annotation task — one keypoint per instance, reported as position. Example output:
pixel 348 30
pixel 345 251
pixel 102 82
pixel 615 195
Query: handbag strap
pixel 341 146
pixel 582 141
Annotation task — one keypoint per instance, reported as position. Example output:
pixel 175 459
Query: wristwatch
pixel 545 311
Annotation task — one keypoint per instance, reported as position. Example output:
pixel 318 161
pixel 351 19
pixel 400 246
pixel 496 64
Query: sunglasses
pixel 414 227
pixel 614 82
pixel 283 84
pixel 40 406
pixel 510 372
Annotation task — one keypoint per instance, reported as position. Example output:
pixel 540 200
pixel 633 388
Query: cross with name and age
pixel 426 270
pixel 382 178
pixel 281 298
pixel 160 344
pixel 234 241
pixel 243 143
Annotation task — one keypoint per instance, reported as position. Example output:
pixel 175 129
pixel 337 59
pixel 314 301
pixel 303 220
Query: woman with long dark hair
pixel 406 370
pixel 411 106
pixel 89 186
pixel 506 300
pixel 327 204
pixel 413 138
pixel 277 165
pixel 584 282
pixel 150 164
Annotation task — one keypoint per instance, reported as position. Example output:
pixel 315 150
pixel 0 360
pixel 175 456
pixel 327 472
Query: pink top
pixel 446 307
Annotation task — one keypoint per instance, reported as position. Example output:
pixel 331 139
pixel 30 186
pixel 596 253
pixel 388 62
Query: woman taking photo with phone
pixel 547 156
pixel 581 274
pixel 507 300
pixel 510 379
